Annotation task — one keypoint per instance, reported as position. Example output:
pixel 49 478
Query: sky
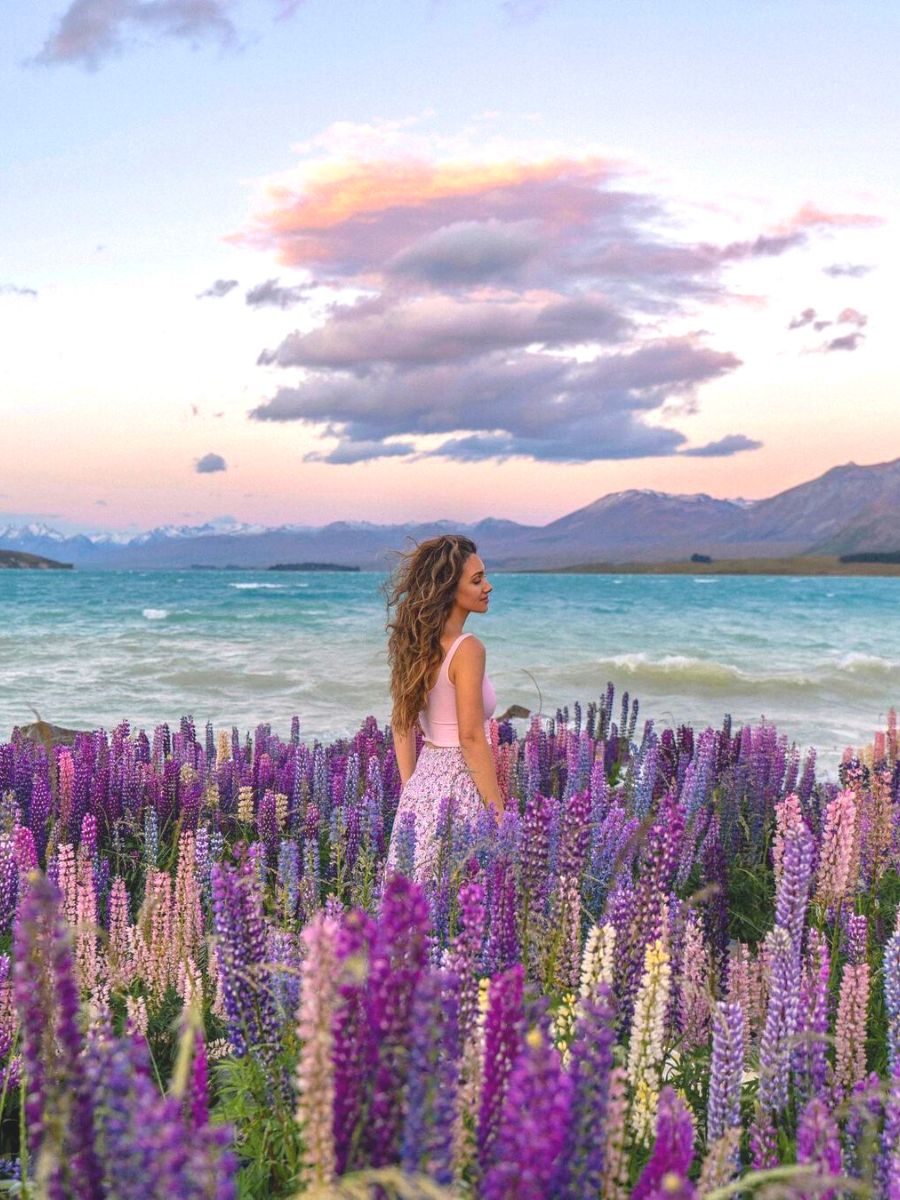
pixel 295 261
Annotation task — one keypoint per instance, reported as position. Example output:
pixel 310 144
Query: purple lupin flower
pixel 726 1071
pixel 465 953
pixel 353 1052
pixel 502 1036
pixel 398 959
pixel 590 1065
pixel 239 926
pixel 528 1152
pixel 666 1173
pixel 9 883
pixel 58 1104
pixel 763 1143
pixel 819 1144
pixel 809 1058
pixel 433 1077
pixel 503 935
pixel 781 1021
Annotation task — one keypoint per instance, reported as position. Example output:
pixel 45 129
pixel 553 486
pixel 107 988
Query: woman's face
pixel 473 589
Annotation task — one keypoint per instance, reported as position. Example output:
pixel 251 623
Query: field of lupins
pixel 673 970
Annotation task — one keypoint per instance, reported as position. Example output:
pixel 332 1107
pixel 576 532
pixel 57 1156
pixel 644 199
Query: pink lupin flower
pixel 156 928
pixel 838 846
pixel 850 1029
pixel 187 913
pixel 120 963
pixel 87 957
pixel 693 985
pixel 788 815
pixel 315 1067
pixel 67 881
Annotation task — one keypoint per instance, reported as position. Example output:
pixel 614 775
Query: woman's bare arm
pixel 405 749
pixel 469 679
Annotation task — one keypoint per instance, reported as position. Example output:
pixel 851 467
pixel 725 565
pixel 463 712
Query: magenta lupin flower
pixel 666 1173
pixel 528 1153
pixel 502 1036
pixel 398 958
pixel 354 1049
pixel 819 1144
pixel 58 1103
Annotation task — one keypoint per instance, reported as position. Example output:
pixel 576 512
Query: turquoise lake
pixel 818 657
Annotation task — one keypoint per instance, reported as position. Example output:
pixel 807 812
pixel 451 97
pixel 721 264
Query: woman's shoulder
pixel 469 656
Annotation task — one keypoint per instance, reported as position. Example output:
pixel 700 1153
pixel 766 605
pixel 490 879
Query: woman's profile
pixel 439 682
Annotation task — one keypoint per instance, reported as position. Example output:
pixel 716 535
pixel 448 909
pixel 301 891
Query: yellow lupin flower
pixel 245 805
pixel 645 1050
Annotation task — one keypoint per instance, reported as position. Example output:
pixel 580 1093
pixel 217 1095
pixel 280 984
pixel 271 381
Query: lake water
pixel 819 657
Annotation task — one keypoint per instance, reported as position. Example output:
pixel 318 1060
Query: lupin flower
pixel 666 1173
pixel 693 985
pixel 528 1154
pixel 781 1021
pixel 502 1034
pixel 850 1027
pixel 819 1144
pixel 833 880
pixel 58 1104
pixel 613 1136
pixel 315 1068
pixel 810 1062
pixel 590 1059
pixel 646 1043
pixel 726 1071
pixel 433 1077
pixel 397 961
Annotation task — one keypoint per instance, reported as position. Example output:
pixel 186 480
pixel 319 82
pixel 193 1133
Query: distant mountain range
pixel 847 510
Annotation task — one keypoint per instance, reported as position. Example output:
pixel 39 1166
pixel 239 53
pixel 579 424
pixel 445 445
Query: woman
pixel 438 680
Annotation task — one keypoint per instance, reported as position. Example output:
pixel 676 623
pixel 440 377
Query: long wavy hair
pixel 421 590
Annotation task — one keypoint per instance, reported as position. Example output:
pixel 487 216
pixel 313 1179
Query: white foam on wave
pixel 858 661
pixel 248 587
pixel 156 614
pixel 704 579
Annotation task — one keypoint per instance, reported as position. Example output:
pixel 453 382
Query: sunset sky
pixel 307 260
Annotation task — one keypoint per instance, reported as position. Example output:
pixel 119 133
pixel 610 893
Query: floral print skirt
pixel 439 813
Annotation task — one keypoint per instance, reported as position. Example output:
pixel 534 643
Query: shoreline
pixel 802 566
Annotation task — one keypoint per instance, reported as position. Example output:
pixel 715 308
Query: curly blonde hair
pixel 421 589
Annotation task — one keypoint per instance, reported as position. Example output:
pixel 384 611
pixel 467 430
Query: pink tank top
pixel 438 717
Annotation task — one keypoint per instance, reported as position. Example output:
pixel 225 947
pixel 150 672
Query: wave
pixel 247 587
pixel 156 614
pixel 682 671
pixel 856 662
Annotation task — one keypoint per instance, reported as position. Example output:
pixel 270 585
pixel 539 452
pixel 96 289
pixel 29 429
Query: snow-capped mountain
pixel 849 508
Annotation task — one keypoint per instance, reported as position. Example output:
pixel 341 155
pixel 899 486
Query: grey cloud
pixel 217 290
pixel 433 330
pixel 469 252
pixel 818 326
pixel 90 31
pixel 848 270
pixel 348 453
pixel 209 464
pixel 483 293
pixel 847 341
pixel 272 293
pixel 732 443
pixel 806 318
pixel 533 404
pixel 101 503
pixel 12 289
